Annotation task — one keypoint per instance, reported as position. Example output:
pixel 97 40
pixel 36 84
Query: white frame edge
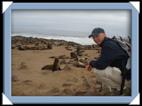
pixel 5 100
pixel 136 5
pixel 5 5
pixel 136 100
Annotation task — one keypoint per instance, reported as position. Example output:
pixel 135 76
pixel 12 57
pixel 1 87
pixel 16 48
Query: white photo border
pixel 70 99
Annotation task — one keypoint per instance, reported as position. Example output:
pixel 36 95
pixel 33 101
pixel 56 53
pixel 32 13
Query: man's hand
pixel 88 67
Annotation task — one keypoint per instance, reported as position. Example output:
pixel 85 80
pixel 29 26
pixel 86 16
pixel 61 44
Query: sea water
pixel 80 40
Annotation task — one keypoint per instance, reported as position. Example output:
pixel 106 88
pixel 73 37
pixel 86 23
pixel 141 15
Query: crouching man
pixel 112 59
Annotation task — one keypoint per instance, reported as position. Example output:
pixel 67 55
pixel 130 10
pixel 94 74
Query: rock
pixel 63 57
pixel 67 67
pixel 90 92
pixel 54 90
pixel 83 60
pixel 36 46
pixel 73 55
pixel 20 47
pixel 85 54
pixel 88 47
pixel 79 51
pixel 79 64
pixel 68 48
pixel 63 61
pixel 71 61
pixel 80 93
pixel 40 43
pixel 67 91
pixel 22 66
pixel 27 82
pixel 62 66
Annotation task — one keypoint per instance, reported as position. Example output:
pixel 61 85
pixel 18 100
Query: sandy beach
pixel 30 79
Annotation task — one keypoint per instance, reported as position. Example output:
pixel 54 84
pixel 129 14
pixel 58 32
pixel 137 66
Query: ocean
pixel 77 39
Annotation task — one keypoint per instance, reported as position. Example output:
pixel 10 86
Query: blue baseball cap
pixel 96 31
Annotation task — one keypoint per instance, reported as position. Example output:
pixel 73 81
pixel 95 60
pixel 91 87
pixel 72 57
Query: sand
pixel 30 55
pixel 29 79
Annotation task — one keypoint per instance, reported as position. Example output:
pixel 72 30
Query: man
pixel 112 55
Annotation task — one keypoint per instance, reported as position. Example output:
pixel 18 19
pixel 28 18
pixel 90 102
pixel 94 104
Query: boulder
pixel 63 57
pixel 68 48
pixel 73 55
pixel 79 64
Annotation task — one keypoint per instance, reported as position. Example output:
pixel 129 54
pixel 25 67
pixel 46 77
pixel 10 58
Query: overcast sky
pixel 71 22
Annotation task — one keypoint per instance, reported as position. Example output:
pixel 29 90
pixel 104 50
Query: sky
pixel 70 23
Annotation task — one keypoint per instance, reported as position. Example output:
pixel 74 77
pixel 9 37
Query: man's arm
pixel 108 54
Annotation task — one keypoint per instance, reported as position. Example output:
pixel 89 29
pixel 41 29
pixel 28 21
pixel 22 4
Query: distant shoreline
pixel 79 40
